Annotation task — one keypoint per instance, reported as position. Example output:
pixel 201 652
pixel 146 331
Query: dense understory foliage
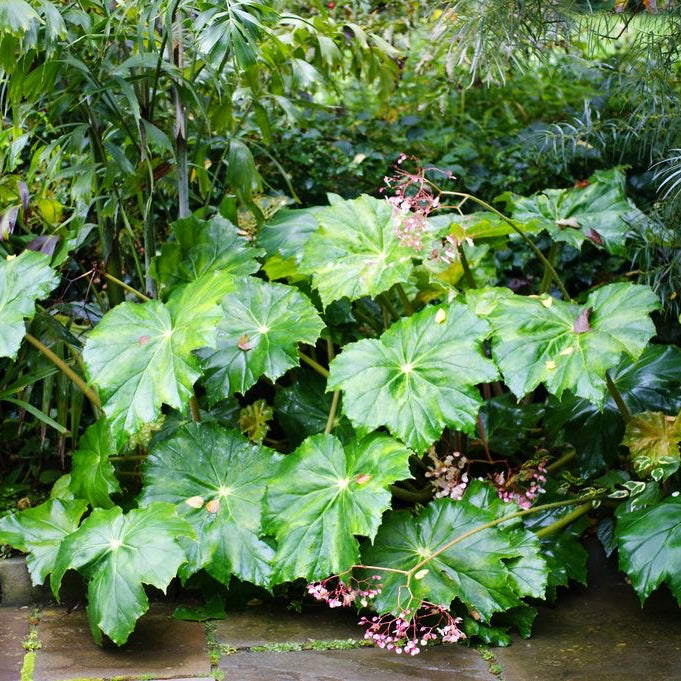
pixel 414 402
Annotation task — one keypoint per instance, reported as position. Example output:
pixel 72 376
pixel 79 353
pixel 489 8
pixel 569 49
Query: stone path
pixel 596 634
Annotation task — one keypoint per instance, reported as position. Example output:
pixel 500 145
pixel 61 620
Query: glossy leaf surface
pixel 599 212
pixel 258 335
pixel 355 252
pixel 418 377
pixel 40 531
pixel 23 280
pixel 649 543
pixel 140 356
pixel 119 553
pixel 216 479
pixel 323 495
pixel 92 474
pixel 476 569
pixel 569 347
pixel 202 246
pixel 653 381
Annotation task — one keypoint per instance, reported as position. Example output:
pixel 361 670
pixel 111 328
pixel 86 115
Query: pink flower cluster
pixel 412 201
pixel 403 634
pixel 521 488
pixel 338 594
pixel 448 477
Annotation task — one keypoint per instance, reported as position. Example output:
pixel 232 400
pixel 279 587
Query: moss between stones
pixel 492 663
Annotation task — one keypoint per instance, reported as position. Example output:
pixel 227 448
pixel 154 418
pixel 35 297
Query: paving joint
pixel 493 664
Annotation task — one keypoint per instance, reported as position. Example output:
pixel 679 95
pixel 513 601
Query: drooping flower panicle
pixel 408 633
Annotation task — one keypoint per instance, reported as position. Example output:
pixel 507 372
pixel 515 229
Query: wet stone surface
pixel 600 634
pixel 13 629
pixel 441 663
pixel 159 648
pixel 263 627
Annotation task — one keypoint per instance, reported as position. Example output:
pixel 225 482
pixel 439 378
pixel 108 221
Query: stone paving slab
pixel 263 626
pixel 15 584
pixel 599 635
pixel 159 648
pixel 13 629
pixel 442 663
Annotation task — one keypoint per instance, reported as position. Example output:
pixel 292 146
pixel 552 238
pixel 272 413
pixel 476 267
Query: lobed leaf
pixel 118 553
pixel 355 251
pixel 323 495
pixel 418 377
pixel 202 246
pixel 40 531
pixel 599 212
pixel 488 570
pixel 140 356
pixel 544 340
pixel 649 544
pixel 92 474
pixel 216 480
pixel 258 335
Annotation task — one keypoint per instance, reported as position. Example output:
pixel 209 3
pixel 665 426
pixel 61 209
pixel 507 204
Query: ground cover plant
pixel 396 402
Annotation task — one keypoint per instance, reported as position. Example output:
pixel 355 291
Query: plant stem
pixel 515 228
pixel 177 56
pixel 336 394
pixel 128 288
pixel 499 521
pixel 367 318
pixel 470 280
pixel 563 522
pixel 65 369
pixel 559 463
pixel 387 303
pixel 483 439
pixel 314 364
pixel 617 396
pixel 409 308
pixel 194 409
pixel 332 412
pixel 546 279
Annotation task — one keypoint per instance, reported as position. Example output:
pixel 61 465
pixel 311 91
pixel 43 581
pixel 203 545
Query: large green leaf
pixel 40 531
pixel 355 252
pixel 566 346
pixel 258 335
pixel 216 479
pixel 507 425
pixel 303 408
pixel 652 382
pixel 323 495
pixel 418 377
pixel 141 356
pixel 649 543
pixel 202 246
pixel 23 280
pixel 599 212
pixel 92 474
pixel 477 225
pixel 118 554
pixel 476 569
pixel 287 232
pixel 528 573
